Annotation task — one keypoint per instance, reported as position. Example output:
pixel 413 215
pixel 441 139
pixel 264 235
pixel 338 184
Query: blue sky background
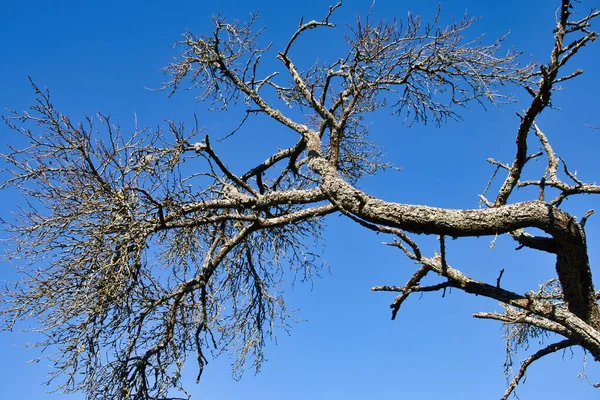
pixel 103 56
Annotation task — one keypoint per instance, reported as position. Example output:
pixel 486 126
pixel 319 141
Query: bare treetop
pixel 143 250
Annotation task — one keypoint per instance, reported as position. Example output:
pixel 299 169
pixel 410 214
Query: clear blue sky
pixel 102 56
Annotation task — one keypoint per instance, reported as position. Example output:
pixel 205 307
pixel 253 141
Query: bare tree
pixel 132 264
